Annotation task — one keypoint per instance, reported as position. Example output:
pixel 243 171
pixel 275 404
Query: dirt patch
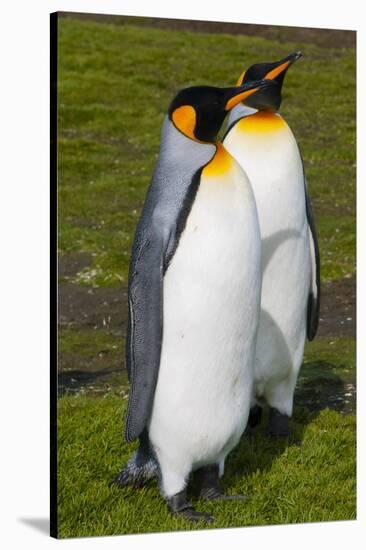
pixel 99 363
pixel 319 387
pixel 70 264
pixel 105 309
pixel 82 306
pixel 92 382
pixel 323 393
pixel 326 38
pixel 338 308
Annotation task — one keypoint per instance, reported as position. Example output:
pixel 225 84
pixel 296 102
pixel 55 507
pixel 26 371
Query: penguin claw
pixel 278 424
pixel 139 470
pixel 132 476
pixel 127 478
pixel 208 480
pixel 179 506
pixel 190 514
pixel 214 494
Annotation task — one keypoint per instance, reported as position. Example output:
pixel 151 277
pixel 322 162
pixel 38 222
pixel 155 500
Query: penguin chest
pixel 267 150
pixel 265 147
pixel 211 309
pixel 217 260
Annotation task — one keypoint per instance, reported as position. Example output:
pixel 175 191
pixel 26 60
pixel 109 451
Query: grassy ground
pixel 114 90
pixel 115 83
pixel 314 481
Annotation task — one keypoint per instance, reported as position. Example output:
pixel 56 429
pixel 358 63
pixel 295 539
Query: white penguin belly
pixel 273 164
pixel 211 309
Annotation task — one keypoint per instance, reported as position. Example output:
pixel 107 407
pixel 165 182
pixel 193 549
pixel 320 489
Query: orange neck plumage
pixel 262 121
pixel 221 162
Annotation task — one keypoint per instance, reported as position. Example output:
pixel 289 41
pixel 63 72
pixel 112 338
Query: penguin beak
pixel 241 93
pixel 283 65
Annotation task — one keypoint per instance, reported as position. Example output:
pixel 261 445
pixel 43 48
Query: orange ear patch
pixel 221 162
pixel 184 118
pixel 262 121
pixel 240 79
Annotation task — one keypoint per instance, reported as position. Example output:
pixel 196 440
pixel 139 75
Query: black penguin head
pixel 268 98
pixel 199 112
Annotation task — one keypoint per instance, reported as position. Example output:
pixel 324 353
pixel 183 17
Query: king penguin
pixel 264 145
pixel 194 301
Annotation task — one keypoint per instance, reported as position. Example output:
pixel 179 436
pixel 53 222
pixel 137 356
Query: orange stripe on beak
pixel 238 98
pixel 277 70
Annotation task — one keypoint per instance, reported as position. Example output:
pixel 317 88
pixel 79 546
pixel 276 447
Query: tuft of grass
pixel 340 352
pixel 115 85
pixel 91 362
pixel 313 481
pixel 89 342
pixel 328 374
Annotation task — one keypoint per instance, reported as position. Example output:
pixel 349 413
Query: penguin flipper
pixel 171 193
pixel 145 326
pixel 314 295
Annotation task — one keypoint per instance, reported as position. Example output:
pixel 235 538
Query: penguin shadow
pixel 272 243
pixel 318 388
pixel 256 449
pixel 75 380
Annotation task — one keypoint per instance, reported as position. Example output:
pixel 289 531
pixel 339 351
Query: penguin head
pixel 198 112
pixel 268 98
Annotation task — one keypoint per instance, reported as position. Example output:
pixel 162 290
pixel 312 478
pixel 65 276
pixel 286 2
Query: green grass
pixel 115 84
pixel 311 482
pixel 295 484
pixel 338 352
pixel 327 361
pixel 91 361
pixel 328 374
pixel 89 342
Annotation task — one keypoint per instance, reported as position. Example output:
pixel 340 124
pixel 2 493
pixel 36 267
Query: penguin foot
pixel 136 473
pixel 255 416
pixel 191 514
pixel 208 480
pixel 128 478
pixel 212 494
pixel 179 506
pixel 278 424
